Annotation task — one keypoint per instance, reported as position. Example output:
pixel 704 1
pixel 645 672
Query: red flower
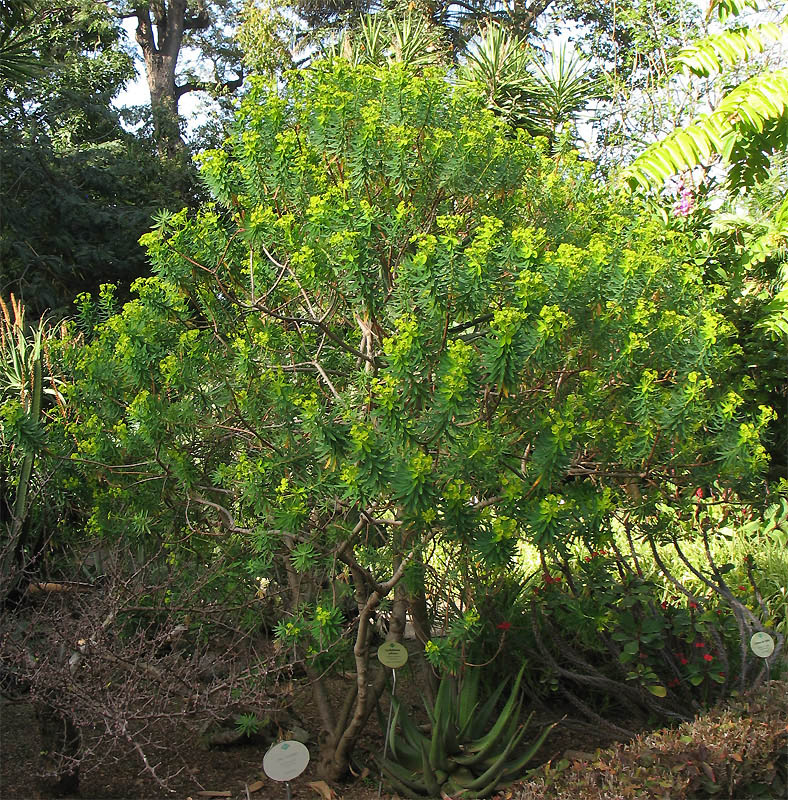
pixel 700 644
pixel 683 661
pixel 693 604
pixel 664 604
pixel 504 626
pixel 707 657
pixel 673 682
pixel 742 588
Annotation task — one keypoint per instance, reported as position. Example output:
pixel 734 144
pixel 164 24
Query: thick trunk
pixel 422 627
pixel 339 740
pixel 164 105
pixel 160 49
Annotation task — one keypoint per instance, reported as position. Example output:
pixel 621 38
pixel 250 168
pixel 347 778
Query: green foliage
pixel 400 324
pixel 408 38
pixel 657 623
pixel 670 656
pixel 393 208
pixel 709 55
pixel 77 190
pixel 17 42
pixel 464 755
pixel 247 724
pixel 263 35
pixel 531 91
pixel 745 128
pixel 30 429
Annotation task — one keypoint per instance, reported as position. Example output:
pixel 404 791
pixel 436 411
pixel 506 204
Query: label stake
pixel 388 728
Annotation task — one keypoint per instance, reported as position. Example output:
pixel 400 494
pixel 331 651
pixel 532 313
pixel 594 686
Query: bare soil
pixel 121 775
pixel 192 773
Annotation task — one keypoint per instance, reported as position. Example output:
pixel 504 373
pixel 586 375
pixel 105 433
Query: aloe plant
pixel 21 382
pixel 464 755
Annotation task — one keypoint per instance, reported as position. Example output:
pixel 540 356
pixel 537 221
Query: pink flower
pixel 686 202
pixel 683 661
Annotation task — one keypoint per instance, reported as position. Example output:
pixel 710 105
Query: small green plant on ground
pixel 462 756
pixel 247 724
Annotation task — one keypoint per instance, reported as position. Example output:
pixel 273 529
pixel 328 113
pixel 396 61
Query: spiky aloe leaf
pixel 442 714
pixel 408 782
pixel 486 743
pixel 412 734
pixel 468 700
pixel 492 775
pixel 482 718
pixel 430 777
pixel 482 754
pixel 513 771
pixel 402 751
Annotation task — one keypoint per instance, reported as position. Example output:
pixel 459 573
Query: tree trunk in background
pixel 422 627
pixel 164 105
pixel 160 39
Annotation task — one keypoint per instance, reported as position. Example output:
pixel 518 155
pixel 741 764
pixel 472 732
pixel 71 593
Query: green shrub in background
pixel 658 625
pixel 622 643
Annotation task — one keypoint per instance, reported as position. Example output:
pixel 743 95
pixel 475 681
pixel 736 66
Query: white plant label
pixel 392 655
pixel 285 761
pixel 762 644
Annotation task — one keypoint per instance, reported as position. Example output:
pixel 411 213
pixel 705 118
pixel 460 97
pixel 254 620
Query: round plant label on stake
pixel 762 644
pixel 392 655
pixel 285 761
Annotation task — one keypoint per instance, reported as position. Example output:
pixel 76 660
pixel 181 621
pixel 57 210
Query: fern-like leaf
pixel 711 54
pixel 755 110
pixel 730 8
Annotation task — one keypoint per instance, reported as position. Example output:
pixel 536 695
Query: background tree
pixel 727 154
pixel 165 31
pixel 77 189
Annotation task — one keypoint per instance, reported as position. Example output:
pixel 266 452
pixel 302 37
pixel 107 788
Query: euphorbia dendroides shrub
pixel 399 323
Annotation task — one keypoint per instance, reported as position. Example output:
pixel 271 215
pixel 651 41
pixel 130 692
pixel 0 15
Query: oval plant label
pixel 762 644
pixel 392 655
pixel 285 761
